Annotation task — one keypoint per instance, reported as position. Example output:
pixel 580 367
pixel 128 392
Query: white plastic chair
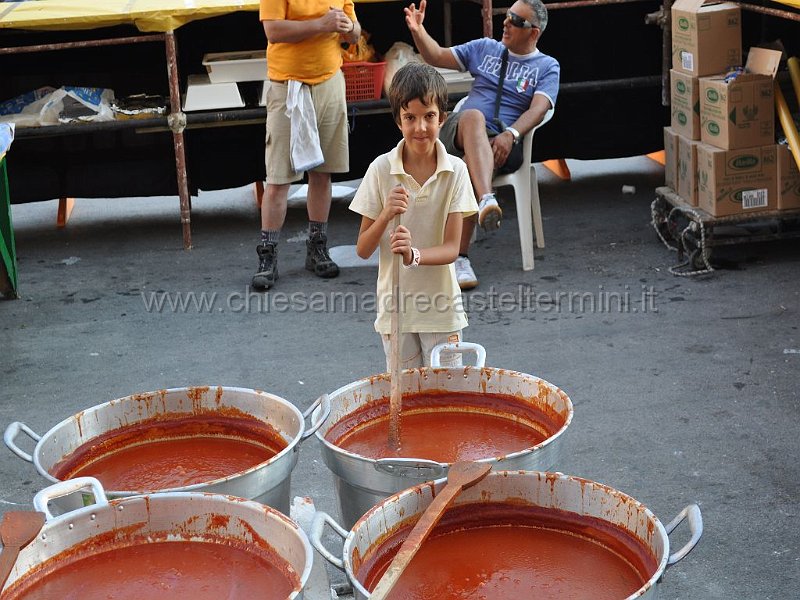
pixel 526 195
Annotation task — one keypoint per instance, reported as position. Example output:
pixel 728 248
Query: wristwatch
pixel 515 133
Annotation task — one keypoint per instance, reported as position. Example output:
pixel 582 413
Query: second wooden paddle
pixel 461 476
pixel 17 530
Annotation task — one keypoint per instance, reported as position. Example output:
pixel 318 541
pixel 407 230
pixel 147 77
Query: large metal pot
pixel 533 488
pixel 362 482
pixel 134 520
pixel 267 482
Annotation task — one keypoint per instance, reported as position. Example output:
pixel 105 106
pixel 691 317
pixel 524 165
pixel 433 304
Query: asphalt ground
pixel 689 396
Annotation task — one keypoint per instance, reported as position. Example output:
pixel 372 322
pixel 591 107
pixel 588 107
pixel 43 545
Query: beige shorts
pixel 331 108
pixel 415 349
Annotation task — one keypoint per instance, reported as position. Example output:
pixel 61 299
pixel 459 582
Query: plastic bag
pixel 362 51
pixel 49 106
pixel 399 54
pixel 6 137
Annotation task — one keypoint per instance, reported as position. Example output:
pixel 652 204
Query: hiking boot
pixel 267 266
pixel 489 212
pixel 317 258
pixel 464 274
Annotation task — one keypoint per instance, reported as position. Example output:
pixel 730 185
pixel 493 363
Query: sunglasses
pixel 518 21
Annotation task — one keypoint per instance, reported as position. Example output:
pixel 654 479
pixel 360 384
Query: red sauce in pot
pixel 168 570
pixel 503 552
pixel 447 427
pixel 160 453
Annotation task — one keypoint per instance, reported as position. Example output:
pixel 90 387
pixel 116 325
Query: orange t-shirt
pixel 314 59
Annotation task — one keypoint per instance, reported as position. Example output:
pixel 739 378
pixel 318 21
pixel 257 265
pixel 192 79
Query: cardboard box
pixel 788 180
pixel 731 182
pixel 685 104
pixel 687 170
pixel 671 158
pixel 740 113
pixel 706 38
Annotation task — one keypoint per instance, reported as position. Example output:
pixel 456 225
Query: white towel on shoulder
pixel 304 144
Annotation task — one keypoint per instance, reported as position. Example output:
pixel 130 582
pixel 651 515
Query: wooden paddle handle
pixel 396 396
pixel 412 543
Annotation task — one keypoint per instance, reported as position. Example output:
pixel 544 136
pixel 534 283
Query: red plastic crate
pixel 363 80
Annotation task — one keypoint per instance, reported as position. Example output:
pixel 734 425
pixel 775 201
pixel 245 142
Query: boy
pixel 432 193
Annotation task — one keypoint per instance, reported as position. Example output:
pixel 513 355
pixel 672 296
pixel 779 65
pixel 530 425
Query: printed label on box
pixel 734 181
pixel 755 199
pixel 687 61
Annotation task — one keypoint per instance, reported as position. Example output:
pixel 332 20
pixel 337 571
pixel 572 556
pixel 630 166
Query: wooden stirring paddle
pixel 17 530
pixel 461 476
pixel 396 398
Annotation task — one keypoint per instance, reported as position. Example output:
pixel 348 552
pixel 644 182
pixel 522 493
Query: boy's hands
pixel 399 239
pixel 396 202
pixel 400 242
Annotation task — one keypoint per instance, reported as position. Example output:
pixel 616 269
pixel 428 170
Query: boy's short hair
pixel 417 81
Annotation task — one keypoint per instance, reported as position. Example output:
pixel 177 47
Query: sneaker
pixel 489 212
pixel 267 267
pixel 464 274
pixel 317 258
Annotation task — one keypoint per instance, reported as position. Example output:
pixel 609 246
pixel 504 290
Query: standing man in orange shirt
pixel 304 67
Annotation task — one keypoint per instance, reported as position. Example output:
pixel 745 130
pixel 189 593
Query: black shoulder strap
pixel 503 68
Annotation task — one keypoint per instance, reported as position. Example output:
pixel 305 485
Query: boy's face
pixel 420 126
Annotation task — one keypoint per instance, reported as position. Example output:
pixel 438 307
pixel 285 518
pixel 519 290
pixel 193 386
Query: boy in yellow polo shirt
pixel 432 193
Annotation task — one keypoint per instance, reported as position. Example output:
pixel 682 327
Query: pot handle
pixel 692 513
pixel 317 527
pixel 418 468
pixel 459 348
pixel 65 488
pixel 11 433
pixel 323 401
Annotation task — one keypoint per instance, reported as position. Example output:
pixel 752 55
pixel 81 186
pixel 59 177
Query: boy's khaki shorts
pixel 331 108
pixel 415 349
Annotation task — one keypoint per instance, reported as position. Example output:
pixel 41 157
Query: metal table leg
pixel 177 123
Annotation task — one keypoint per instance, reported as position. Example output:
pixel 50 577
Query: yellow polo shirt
pixel 313 60
pixel 431 293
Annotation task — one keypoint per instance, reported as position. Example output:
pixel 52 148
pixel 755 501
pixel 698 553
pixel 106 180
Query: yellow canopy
pixel 146 15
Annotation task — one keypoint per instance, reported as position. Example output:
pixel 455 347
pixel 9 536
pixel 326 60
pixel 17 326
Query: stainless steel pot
pixel 537 489
pixel 362 482
pixel 180 515
pixel 267 482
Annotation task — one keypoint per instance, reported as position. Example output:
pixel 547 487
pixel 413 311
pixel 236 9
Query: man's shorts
pixel 447 135
pixel 331 108
pixel 448 132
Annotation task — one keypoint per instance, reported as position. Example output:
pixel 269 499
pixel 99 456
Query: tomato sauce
pixel 503 552
pixel 168 570
pixel 447 427
pixel 161 454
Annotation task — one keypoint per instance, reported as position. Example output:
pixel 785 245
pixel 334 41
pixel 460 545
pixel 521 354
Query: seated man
pixel 488 128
